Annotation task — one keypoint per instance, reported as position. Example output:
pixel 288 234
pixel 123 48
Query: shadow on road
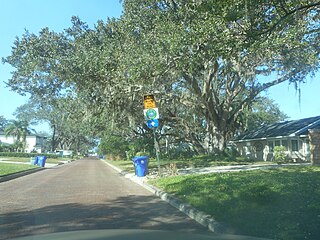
pixel 131 212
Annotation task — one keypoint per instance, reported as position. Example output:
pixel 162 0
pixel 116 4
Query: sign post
pixel 151 115
pixel 156 147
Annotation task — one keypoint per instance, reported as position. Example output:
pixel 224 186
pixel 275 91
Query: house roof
pixel 283 129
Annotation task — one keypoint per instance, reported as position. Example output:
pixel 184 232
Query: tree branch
pixel 288 14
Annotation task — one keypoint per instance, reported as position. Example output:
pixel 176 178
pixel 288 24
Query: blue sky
pixel 33 15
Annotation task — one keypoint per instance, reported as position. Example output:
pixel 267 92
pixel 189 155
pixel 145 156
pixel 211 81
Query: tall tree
pixel 206 62
pixel 37 60
pixel 67 118
pixel 264 111
pixel 3 123
pixel 217 53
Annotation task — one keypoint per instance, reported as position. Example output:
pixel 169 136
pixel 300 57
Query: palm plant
pixel 19 130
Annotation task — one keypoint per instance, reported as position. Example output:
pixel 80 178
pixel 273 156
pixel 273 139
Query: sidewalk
pixel 236 168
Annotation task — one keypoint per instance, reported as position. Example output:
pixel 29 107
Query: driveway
pixel 85 194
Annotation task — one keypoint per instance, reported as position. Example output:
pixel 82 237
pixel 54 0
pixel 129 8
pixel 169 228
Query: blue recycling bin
pixel 141 165
pixel 41 161
pixel 34 161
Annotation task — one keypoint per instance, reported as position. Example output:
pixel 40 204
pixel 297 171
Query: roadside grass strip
pixel 181 163
pixel 278 204
pixel 10 168
pixel 26 160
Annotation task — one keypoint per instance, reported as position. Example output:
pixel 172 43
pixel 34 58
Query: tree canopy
pixel 3 123
pixel 207 62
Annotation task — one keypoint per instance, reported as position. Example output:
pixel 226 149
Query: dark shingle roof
pixel 282 129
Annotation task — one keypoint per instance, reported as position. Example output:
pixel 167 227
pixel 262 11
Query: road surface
pixel 85 194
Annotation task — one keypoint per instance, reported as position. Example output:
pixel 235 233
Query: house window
pixel 258 146
pixel 285 144
pixel 270 144
pixel 277 143
pixel 294 145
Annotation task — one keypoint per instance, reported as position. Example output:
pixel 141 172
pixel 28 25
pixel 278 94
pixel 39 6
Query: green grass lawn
pixel 277 204
pixel 8 168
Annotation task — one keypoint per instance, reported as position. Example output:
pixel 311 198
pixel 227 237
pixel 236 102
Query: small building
pixel 65 153
pixel 293 135
pixel 34 142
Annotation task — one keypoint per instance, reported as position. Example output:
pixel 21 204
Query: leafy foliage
pixel 3 123
pixel 280 155
pixel 67 118
pixel 114 145
pixel 207 62
pixel 19 130
pixel 263 112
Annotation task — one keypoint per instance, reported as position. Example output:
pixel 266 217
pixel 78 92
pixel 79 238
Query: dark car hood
pixel 133 234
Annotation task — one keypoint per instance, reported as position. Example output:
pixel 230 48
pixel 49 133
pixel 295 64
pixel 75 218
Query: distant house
pixel 33 142
pixel 293 135
pixel 65 153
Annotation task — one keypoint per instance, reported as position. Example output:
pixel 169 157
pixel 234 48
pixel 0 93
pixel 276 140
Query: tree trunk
pixel 53 140
pixel 217 140
pixel 314 137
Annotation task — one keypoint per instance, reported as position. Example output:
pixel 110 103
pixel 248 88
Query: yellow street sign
pixel 149 102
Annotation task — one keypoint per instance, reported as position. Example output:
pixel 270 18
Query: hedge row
pixel 27 155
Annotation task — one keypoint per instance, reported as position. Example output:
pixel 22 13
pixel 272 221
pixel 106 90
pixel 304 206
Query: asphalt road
pixel 83 195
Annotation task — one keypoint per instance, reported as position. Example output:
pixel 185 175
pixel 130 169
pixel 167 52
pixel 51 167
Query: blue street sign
pixel 153 123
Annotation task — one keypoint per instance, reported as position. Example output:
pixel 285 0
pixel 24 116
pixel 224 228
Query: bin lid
pixel 140 158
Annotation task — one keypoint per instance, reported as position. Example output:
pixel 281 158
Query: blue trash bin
pixel 36 160
pixel 33 161
pixel 141 165
pixel 41 161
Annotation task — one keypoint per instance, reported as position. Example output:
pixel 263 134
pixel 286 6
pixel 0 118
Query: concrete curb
pixel 199 216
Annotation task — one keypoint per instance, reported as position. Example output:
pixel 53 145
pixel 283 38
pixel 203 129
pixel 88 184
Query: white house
pixel 293 135
pixel 33 142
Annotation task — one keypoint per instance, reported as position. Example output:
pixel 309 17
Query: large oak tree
pixel 206 62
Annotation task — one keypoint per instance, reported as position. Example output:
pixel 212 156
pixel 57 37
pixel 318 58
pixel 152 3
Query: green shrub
pixel 114 157
pixel 139 154
pixel 141 147
pixel 231 153
pixel 280 155
pixel 114 146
